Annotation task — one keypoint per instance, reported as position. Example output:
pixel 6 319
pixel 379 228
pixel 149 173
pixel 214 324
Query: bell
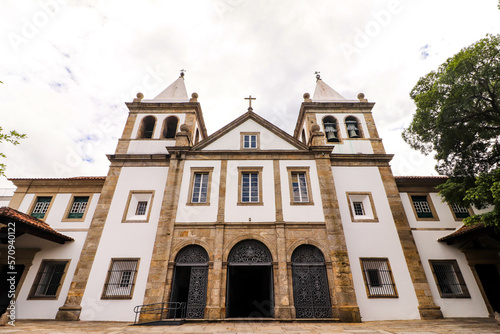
pixel 353 134
pixel 330 136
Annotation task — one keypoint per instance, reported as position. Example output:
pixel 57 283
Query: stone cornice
pixel 360 159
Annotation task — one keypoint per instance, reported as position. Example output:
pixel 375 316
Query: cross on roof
pixel 250 98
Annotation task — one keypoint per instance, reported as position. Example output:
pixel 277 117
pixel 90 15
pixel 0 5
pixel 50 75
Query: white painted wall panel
pixel 430 249
pixel 125 240
pixel 368 240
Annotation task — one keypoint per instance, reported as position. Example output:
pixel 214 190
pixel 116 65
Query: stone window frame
pixel 435 216
pixel 369 292
pixel 35 200
pixel 469 209
pixel 360 128
pixel 458 276
pixel 242 170
pixel 196 170
pixel 70 205
pixel 242 140
pixel 306 171
pixel 367 197
pixel 40 272
pixel 134 198
pixel 104 294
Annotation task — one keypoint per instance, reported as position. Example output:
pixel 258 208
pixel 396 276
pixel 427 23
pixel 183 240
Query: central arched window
pixel 331 129
pixel 170 127
pixel 147 127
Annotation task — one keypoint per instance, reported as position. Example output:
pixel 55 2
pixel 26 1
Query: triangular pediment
pixel 229 137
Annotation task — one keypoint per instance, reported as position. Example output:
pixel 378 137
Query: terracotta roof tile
pixel 32 225
pixel 463 230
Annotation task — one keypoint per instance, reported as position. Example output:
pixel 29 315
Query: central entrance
pixel 250 281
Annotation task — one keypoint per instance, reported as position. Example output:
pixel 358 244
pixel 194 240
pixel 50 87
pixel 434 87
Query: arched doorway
pixel 190 281
pixel 310 284
pixel 250 281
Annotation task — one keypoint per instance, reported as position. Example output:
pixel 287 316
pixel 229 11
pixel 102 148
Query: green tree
pixel 458 118
pixel 8 137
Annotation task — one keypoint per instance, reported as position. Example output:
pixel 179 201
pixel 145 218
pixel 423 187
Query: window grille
pixel 48 279
pixel 141 208
pixel 299 187
pixel 200 188
pixel 460 211
pixel 250 141
pixel 422 207
pixel 120 281
pixel 378 278
pixel 78 207
pixel 250 187
pixel 41 206
pixel 358 209
pixel 449 279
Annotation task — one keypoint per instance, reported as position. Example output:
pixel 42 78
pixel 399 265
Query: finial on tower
pixel 182 73
pixel 250 98
pixel 318 77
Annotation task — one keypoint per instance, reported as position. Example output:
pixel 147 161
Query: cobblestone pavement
pixel 461 326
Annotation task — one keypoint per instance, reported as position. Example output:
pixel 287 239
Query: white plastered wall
pixel 374 240
pixel 198 213
pixel 268 140
pixel 256 213
pixel 125 240
pixel 301 213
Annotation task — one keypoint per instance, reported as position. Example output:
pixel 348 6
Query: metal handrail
pixel 160 309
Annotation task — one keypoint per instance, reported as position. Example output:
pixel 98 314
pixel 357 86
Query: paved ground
pixel 449 326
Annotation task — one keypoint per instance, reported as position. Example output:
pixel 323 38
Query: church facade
pixel 249 222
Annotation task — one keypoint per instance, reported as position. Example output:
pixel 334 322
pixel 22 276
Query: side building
pixel 249 222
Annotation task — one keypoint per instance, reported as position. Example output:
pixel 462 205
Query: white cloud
pixel 66 77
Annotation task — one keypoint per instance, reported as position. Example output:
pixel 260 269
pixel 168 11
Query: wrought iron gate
pixel 196 258
pixel 310 284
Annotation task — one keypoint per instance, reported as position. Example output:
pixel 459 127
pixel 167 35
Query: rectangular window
pixel 299 187
pixel 449 279
pixel 121 279
pixel 78 207
pixel 141 208
pixel 460 212
pixel 49 279
pixel 41 206
pixel 358 208
pixel 422 206
pixel 200 188
pixel 378 278
pixel 250 185
pixel 249 140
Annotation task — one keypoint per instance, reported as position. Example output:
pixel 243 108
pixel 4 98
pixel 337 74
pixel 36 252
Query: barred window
pixel 299 187
pixel 48 279
pixel 358 209
pixel 141 208
pixel 422 207
pixel 200 188
pixel 78 207
pixel 460 212
pixel 449 279
pixel 378 278
pixel 41 206
pixel 121 279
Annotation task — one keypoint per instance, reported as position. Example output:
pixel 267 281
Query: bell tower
pixel 170 119
pixel 346 125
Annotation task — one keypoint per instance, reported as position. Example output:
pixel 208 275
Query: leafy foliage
pixel 458 118
pixel 10 137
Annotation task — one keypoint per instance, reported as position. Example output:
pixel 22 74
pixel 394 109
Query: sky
pixel 68 66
